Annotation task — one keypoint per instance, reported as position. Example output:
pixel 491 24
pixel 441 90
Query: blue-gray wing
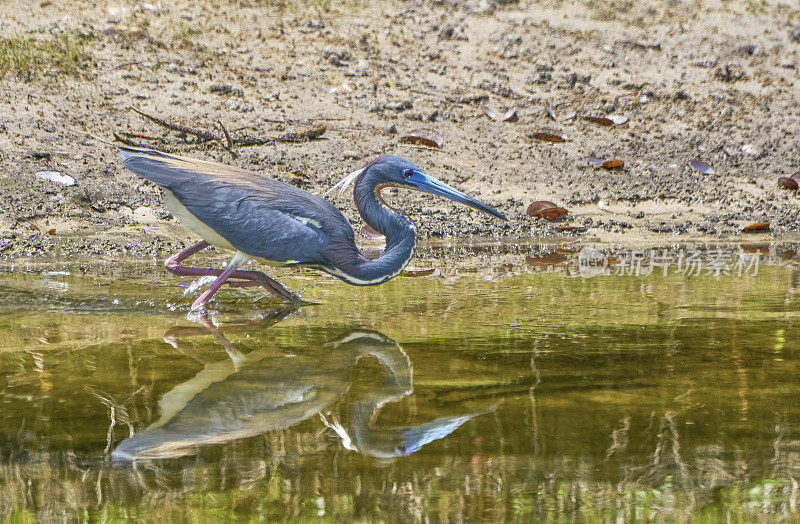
pixel 259 216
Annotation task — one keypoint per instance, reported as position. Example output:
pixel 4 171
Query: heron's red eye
pixel 407 173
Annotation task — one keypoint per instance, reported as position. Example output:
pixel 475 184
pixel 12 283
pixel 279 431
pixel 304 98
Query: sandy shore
pixel 715 81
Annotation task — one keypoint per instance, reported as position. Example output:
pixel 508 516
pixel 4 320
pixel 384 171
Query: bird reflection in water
pixel 265 390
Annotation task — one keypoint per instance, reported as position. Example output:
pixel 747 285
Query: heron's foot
pixel 258 278
pixel 200 305
pixel 243 278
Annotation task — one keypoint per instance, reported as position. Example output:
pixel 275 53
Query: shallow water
pixel 505 387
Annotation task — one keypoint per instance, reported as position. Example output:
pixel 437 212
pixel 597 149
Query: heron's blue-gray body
pixel 265 218
pixel 269 220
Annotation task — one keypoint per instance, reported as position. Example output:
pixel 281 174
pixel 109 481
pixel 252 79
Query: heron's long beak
pixel 437 187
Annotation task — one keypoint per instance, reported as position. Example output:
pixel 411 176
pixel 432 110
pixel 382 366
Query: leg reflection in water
pixel 253 393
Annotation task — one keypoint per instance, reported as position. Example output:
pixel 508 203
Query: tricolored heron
pixel 261 218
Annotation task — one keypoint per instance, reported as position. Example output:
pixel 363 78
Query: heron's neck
pixel 398 230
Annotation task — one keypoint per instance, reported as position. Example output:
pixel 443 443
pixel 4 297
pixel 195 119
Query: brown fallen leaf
pixel 610 120
pixel 419 272
pixel 756 228
pixel 545 209
pixel 612 164
pixel 549 135
pixel 603 121
pixel 701 167
pixel 573 229
pixel 792 182
pixel 425 139
pixel 34 227
pixel 51 231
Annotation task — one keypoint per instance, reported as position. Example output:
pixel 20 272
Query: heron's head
pixel 399 172
pixel 393 171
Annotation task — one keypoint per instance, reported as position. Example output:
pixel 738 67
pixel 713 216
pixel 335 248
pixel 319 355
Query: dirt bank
pixel 716 81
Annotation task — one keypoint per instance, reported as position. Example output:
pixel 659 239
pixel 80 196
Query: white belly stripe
pixel 186 218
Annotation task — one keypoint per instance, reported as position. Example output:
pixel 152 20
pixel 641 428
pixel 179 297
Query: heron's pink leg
pixel 249 278
pixel 173 262
pixel 202 300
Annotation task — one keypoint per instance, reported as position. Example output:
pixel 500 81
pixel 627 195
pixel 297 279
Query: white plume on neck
pixel 342 184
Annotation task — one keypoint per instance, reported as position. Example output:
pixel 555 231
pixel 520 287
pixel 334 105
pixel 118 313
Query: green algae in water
pixel 499 395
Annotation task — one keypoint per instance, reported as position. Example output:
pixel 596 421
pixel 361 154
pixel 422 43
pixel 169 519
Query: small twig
pixel 300 120
pixel 227 135
pixel 295 136
pixel 139 135
pixel 199 133
pixel 228 141
pixel 131 143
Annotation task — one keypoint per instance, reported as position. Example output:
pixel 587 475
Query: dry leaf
pixel 756 228
pixel 573 229
pixel 545 209
pixel 34 227
pixel 792 182
pixel 612 164
pixel 51 231
pixel 424 139
pixel 549 135
pixel 603 121
pixel 610 120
